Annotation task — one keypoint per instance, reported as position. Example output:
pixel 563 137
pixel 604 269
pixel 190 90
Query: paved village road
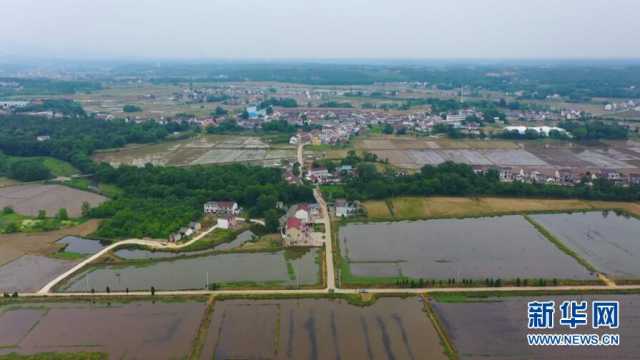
pixel 149 243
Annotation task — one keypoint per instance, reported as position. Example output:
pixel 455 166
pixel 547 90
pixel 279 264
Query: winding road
pixel 148 243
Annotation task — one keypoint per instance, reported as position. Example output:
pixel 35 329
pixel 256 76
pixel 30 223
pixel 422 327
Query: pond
pixel 80 245
pixel 191 273
pixel 506 247
pixel 610 242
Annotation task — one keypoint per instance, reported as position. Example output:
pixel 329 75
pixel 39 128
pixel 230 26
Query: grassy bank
pixel 414 208
pixel 560 245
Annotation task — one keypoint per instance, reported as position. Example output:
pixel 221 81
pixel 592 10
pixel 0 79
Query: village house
pixel 345 209
pixel 295 232
pixel 221 208
pixel 297 225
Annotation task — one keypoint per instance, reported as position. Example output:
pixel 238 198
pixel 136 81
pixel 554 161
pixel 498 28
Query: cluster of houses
pixel 566 177
pixel 622 106
pixel 330 134
pixel 322 175
pixel 226 212
pixel 298 226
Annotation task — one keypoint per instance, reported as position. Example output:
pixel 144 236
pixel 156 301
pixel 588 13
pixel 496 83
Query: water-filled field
pixel 30 273
pixel 505 247
pixel 192 273
pixel 78 245
pixel 497 328
pixel 392 328
pixel 123 331
pixel 610 242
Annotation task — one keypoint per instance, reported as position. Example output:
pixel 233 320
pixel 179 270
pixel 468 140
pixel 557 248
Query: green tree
pixel 220 111
pixel 7 210
pixel 11 228
pixel 42 214
pixel 29 170
pixel 272 220
pixel 129 108
pixel 62 214
pixel 86 207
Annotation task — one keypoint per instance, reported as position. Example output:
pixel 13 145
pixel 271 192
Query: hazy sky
pixel 321 28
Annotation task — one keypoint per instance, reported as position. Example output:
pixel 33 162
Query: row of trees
pixel 455 179
pixel 595 130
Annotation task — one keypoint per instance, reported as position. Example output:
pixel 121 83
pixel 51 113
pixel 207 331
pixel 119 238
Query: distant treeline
pixel 22 86
pixel 577 82
pixel 59 106
pixel 453 179
pixel 159 200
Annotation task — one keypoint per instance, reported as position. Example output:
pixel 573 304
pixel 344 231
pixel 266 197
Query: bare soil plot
pixel 124 331
pixel 391 328
pixel 497 328
pixel 608 241
pixel 506 247
pixel 14 246
pixel 399 158
pixel 31 272
pixel 29 199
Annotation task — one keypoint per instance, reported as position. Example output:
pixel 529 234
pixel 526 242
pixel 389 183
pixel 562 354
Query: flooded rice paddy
pixel 123 331
pixel 192 273
pixel 30 273
pixel 80 245
pixel 610 242
pixel 506 247
pixel 392 328
pixel 496 329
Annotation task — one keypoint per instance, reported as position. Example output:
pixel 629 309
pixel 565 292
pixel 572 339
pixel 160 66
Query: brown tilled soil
pixel 15 245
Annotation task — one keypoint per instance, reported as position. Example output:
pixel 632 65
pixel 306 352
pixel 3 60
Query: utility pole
pixel 207 284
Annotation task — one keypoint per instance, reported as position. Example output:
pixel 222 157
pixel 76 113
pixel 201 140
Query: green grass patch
pixel 67 255
pixel 215 238
pixel 78 183
pixel 59 167
pixel 110 191
pixel 17 223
